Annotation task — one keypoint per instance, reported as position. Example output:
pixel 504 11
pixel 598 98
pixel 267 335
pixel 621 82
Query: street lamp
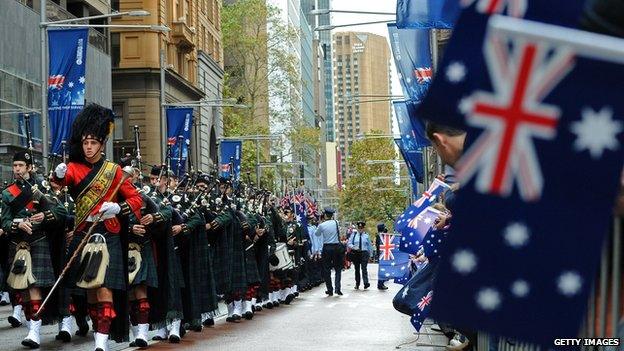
pixel 375 136
pixel 44 25
pixel 331 27
pixel 320 12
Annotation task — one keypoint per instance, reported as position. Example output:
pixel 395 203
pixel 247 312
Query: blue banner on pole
pixel 427 13
pixel 66 81
pixel 179 123
pixel 412 56
pixel 230 161
pixel 412 140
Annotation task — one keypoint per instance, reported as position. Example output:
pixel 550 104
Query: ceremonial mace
pixel 127 173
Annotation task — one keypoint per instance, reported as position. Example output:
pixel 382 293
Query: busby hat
pixel 203 178
pixel 381 227
pixel 361 223
pixel 23 156
pixel 155 170
pixel 92 122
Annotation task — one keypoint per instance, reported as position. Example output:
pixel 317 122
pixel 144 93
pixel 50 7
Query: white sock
pixel 238 307
pixel 101 341
pixel 34 328
pixel 175 327
pixel 142 330
pixel 66 324
pixel 17 312
pixel 162 332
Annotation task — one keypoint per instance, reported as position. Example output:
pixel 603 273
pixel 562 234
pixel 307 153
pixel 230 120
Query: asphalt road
pixel 358 320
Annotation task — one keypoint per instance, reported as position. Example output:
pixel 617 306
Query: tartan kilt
pixel 223 259
pixel 251 267
pixel 147 274
pixel 239 269
pixel 42 268
pixel 116 277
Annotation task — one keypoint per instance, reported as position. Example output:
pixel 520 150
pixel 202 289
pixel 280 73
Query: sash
pixel 93 188
pixel 20 200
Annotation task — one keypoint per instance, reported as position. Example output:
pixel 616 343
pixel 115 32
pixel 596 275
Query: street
pixel 360 319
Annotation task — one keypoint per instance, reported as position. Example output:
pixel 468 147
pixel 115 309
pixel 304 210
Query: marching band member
pixel 92 181
pixel 25 214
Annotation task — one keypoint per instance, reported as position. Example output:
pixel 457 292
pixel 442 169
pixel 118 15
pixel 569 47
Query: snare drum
pixel 285 261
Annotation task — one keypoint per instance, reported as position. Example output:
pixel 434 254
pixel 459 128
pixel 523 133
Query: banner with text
pixel 66 81
pixel 179 123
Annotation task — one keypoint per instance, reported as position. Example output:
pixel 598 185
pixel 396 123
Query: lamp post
pixel 334 26
pixel 320 12
pixel 44 25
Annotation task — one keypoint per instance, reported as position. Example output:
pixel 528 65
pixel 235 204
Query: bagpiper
pixel 104 199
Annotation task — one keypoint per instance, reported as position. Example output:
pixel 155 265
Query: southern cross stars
pixel 569 283
pixel 455 72
pixel 488 299
pixel 464 261
pixel 516 235
pixel 596 132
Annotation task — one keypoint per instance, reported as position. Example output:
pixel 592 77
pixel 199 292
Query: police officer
pixel 361 247
pixel 332 252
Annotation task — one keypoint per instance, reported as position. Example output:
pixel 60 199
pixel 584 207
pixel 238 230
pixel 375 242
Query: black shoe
pixel 99 349
pixel 236 317
pixel 63 336
pixel 140 343
pixel 357 287
pixel 158 338
pixel 208 322
pixel 328 292
pixel 174 339
pixel 30 344
pixel 248 315
pixel 269 306
pixel 197 328
pixel 289 299
pixel 14 322
pixel 276 304
pixel 366 285
pixel 296 294
pixel 257 308
pixel 132 344
pixel 338 292
pixel 4 303
pixel 229 319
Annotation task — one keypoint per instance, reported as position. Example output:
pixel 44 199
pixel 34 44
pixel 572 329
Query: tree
pixel 262 72
pixel 364 197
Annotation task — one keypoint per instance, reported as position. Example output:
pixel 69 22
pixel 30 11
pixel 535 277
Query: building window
pixel 347 40
pixel 115 50
pixel 187 10
pixel 118 110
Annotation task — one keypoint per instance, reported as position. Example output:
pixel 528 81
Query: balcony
pixel 182 36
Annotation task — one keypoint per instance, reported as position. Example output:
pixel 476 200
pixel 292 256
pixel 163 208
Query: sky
pixel 380 29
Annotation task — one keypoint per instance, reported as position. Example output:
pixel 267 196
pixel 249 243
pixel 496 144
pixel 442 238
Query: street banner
pixel 428 13
pixel 179 130
pixel 541 118
pixel 66 81
pixel 412 57
pixel 230 161
pixel 412 141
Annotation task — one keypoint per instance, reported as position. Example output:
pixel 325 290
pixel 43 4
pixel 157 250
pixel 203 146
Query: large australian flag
pixel 543 112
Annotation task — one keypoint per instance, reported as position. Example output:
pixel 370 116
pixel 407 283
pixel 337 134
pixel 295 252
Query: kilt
pixel 251 267
pixel 229 259
pixel 147 274
pixel 42 268
pixel 116 277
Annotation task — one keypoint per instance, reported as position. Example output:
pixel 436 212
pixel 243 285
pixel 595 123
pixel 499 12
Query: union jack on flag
pixel 225 167
pixel 425 301
pixel 386 247
pixel 513 116
pixel 402 224
pixel 515 8
pixel 423 75
pixel 56 81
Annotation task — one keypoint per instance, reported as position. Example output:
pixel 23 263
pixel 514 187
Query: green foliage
pixel 362 197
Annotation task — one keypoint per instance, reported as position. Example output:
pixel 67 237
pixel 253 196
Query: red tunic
pixel 127 193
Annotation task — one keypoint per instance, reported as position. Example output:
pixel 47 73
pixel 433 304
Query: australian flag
pixel 428 198
pixel 417 227
pixel 541 118
pixel 415 298
pixel 392 262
